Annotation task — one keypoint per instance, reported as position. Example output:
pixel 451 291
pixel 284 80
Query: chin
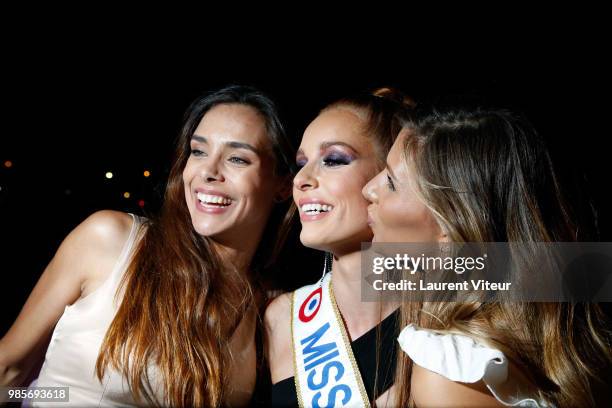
pixel 309 241
pixel 205 230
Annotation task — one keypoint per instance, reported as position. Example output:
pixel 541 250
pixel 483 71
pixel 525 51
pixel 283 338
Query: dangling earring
pixel 327 264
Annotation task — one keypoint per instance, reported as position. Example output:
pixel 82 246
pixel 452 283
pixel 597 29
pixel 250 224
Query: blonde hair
pixel 487 177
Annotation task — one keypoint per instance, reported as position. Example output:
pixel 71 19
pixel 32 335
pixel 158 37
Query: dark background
pixel 72 112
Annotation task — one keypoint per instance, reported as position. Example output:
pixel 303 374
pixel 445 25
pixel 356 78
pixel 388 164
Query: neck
pixel 358 316
pixel 235 253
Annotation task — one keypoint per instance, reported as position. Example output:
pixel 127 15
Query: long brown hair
pixel 487 176
pixel 182 302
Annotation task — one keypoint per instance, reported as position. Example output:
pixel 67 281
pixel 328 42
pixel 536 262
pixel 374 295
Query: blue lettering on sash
pixel 325 374
pixel 321 354
pixel 321 360
pixel 332 396
pixel 316 351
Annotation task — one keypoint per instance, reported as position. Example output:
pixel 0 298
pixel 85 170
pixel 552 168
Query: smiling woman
pixel 326 325
pixel 229 176
pixel 163 311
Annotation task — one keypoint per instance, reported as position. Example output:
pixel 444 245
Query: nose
pixel 304 179
pixel 211 171
pixel 369 190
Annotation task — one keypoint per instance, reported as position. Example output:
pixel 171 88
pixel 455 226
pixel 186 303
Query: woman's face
pixel 229 176
pixel 336 161
pixel 396 214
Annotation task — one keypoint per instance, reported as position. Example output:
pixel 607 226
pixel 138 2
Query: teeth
pixel 312 209
pixel 213 199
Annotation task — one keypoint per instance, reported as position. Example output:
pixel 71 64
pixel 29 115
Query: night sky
pixel 70 115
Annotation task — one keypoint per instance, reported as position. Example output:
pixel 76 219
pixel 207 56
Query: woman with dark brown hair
pixel 164 311
pixel 459 175
pixel 325 346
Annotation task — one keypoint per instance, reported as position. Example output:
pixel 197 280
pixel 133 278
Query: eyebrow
pixel 234 145
pixel 326 145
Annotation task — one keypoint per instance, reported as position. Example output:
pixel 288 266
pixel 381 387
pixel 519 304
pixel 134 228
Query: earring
pixel 327 264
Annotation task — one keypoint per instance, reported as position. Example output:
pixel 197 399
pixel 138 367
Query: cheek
pixel 349 195
pixel 253 187
pixel 407 219
pixel 186 182
pixel 188 172
pixel 348 188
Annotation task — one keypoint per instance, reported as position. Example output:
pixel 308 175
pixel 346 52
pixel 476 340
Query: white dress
pixel 75 344
pixel 460 358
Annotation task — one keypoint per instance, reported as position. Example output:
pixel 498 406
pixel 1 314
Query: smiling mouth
pixel 212 200
pixel 315 209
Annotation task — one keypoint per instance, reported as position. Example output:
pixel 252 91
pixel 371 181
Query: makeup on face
pixel 228 178
pixel 332 154
pixel 336 159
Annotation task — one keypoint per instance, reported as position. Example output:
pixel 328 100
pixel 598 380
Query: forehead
pixel 233 122
pixel 396 154
pixel 401 164
pixel 336 125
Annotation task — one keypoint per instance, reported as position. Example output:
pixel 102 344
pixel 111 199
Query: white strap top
pixel 460 358
pixel 75 344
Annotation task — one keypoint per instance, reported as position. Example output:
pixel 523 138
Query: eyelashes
pixel 329 160
pixel 239 160
pixel 197 153
pixel 390 184
pixel 232 159
pixel 336 159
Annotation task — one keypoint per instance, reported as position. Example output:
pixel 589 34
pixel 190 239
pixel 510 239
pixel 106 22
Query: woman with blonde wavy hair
pixel 163 311
pixel 458 175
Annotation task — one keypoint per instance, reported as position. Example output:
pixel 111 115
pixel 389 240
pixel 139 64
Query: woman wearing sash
pixel 474 175
pixel 324 345
pixel 164 311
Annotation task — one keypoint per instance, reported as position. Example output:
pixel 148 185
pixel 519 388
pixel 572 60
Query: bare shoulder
pixel 277 322
pixel 105 227
pixel 94 246
pixel 278 312
pixel 83 260
pixel 430 389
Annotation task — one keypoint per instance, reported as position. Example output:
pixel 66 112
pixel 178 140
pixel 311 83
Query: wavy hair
pixel 182 302
pixel 487 176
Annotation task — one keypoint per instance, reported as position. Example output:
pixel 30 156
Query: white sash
pixel 326 373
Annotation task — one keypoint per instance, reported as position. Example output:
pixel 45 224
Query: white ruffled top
pixel 460 358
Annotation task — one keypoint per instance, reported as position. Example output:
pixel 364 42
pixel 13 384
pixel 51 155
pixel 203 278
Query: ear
pixel 284 189
pixel 443 237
